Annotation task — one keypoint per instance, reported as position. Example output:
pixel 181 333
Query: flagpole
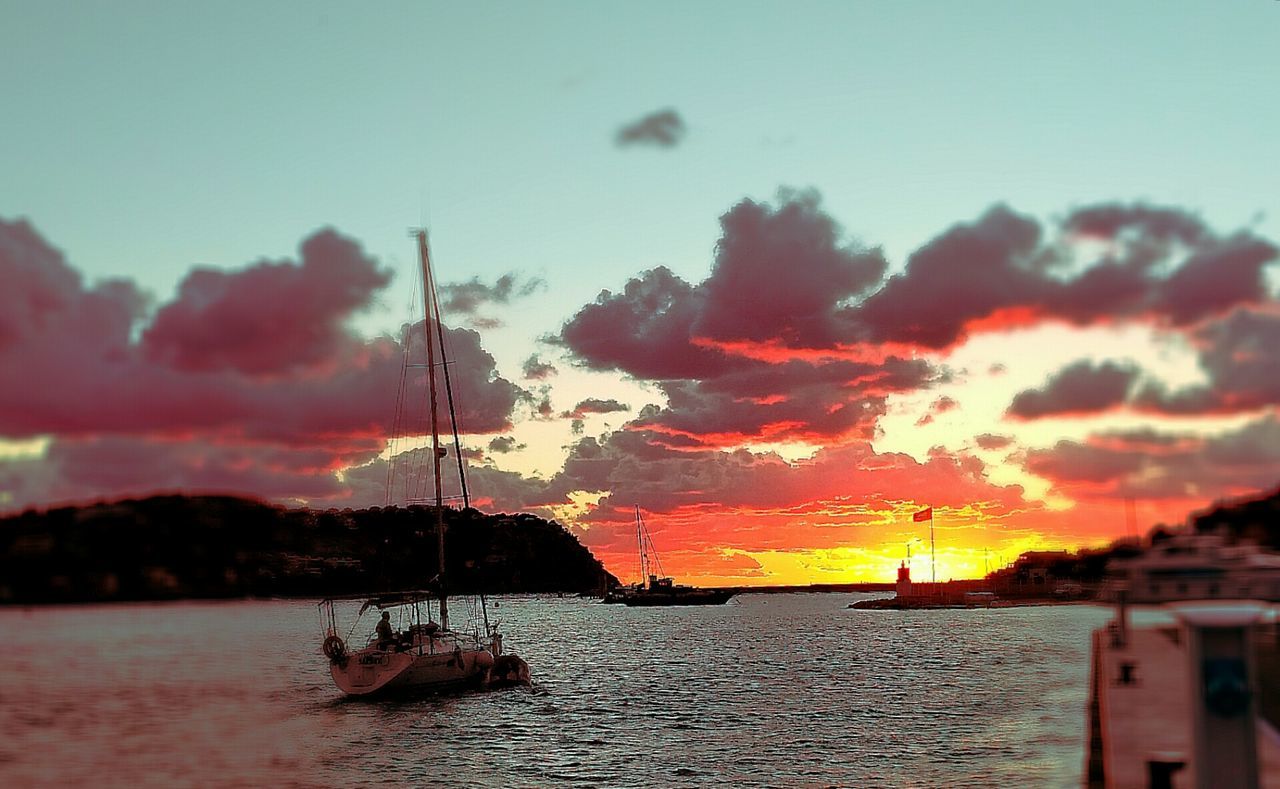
pixel 933 555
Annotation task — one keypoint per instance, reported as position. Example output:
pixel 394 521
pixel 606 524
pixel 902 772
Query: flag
pixel 925 514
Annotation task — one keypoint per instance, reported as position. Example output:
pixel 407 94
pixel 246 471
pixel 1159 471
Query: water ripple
pixel 770 690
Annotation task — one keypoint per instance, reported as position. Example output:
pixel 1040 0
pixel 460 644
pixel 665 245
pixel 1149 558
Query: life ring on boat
pixel 334 648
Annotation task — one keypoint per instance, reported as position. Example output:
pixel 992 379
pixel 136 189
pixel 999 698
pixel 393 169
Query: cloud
pixel 594 405
pixel 105 467
pixel 645 331
pixel 269 318
pixel 758 500
pixel 1240 356
pixel 1084 387
pixel 468 297
pixel 503 444
pixel 1149 464
pixel 82 365
pixel 968 273
pixel 781 274
pixel 663 129
pixel 992 442
pixel 750 353
pixel 940 406
pixel 1142 234
pixel 1003 271
pixel 534 369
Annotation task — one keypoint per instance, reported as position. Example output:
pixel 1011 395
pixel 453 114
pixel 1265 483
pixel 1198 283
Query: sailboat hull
pixel 382 673
pixel 644 597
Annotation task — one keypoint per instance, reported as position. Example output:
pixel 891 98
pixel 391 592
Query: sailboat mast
pixel 644 559
pixel 428 291
pixel 448 392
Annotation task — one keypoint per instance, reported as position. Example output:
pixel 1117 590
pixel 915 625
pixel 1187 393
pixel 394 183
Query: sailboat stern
pixel 366 673
pixel 509 671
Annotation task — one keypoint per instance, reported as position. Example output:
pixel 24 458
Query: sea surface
pixel 769 690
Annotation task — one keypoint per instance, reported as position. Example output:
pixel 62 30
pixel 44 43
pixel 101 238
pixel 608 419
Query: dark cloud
pixel 992 442
pixel 594 405
pixel 968 273
pixel 663 129
pixel 1143 234
pixel 1240 356
pixel 1084 387
pixel 542 407
pixel 468 297
pixel 645 331
pixel 503 444
pixel 39 288
pixel 534 369
pixel 1221 275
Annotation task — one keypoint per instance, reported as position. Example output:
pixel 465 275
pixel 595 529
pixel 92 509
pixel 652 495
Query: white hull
pixel 440 662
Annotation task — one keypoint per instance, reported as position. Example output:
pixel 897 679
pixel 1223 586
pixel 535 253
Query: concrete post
pixel 1223 691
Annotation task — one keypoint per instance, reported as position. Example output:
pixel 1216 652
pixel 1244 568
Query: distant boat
pixel 414 652
pixel 658 589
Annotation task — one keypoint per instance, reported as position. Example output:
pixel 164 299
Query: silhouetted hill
pixel 220 546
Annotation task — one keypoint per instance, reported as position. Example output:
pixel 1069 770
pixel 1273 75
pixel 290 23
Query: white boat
pixel 416 649
pixel 1193 565
pixel 423 655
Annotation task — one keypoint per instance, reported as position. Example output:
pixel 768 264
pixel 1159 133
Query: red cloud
pixel 594 405
pixel 780 275
pixel 225 410
pixel 270 318
pixel 73 368
pixel 750 353
pixel 1150 465
pixel 998 273
pixel 80 469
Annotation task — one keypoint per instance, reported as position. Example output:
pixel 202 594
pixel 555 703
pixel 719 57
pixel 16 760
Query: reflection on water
pixel 769 689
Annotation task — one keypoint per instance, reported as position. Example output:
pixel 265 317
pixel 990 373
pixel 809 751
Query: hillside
pixel 168 547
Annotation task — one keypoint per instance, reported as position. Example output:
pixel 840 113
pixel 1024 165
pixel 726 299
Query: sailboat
pixel 656 588
pixel 414 649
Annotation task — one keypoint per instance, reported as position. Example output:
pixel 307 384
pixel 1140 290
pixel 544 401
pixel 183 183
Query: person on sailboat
pixel 386 635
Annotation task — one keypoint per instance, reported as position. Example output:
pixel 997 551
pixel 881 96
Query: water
pixel 777 690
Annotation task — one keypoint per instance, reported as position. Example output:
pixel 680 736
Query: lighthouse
pixel 904 580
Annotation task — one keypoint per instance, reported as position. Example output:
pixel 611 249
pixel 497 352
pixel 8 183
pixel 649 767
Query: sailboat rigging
pixel 655 587
pixel 413 654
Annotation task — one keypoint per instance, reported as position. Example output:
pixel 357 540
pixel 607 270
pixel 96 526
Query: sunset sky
pixel 779 274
